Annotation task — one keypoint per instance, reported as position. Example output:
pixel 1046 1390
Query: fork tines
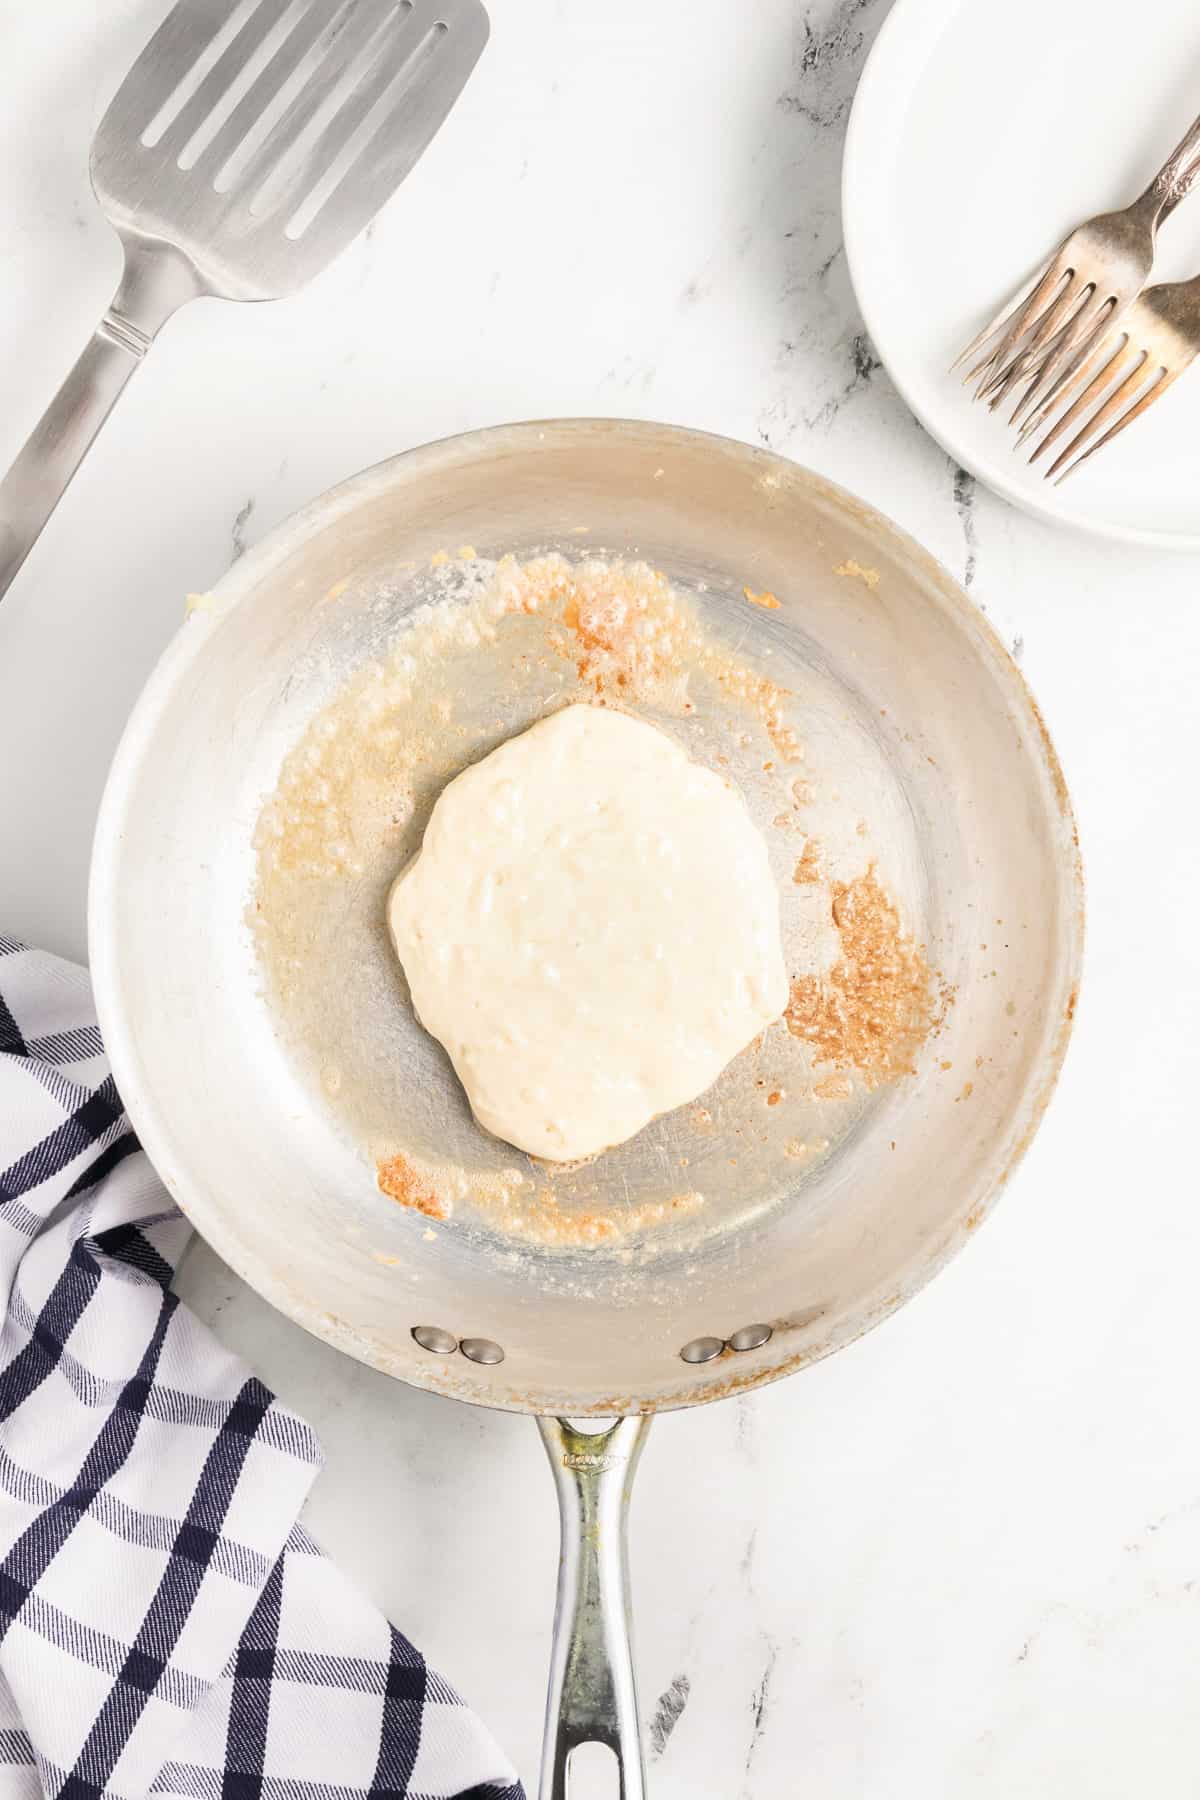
pixel 1122 375
pixel 1051 316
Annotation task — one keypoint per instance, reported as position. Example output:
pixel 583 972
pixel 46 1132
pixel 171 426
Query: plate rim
pixel 886 55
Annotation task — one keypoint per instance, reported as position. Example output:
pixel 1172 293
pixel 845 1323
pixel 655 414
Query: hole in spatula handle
pixel 592 1773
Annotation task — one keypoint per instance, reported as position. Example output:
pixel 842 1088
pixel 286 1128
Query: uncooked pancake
pixel 591 929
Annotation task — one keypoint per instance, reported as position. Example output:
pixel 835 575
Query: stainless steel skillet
pixel 922 748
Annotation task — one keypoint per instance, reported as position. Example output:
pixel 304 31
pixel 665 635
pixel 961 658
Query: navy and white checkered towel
pixel 167 1626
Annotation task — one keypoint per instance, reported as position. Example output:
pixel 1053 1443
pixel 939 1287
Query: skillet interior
pixel 914 718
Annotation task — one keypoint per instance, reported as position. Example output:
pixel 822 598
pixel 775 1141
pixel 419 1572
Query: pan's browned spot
pixel 808 868
pixel 869 577
pixel 541 1218
pixel 604 628
pixel 833 1087
pixel 876 1006
pixel 1072 998
pixel 632 638
pixel 768 700
pixel 627 628
pixel 774 1097
pixel 765 599
pixel 400 1181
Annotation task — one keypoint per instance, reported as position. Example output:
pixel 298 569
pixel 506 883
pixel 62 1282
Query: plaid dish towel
pixel 167 1626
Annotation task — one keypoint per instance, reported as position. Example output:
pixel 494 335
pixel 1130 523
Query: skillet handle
pixel 592 1698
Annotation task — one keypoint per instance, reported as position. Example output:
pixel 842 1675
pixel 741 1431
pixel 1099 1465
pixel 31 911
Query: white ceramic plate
pixel 982 131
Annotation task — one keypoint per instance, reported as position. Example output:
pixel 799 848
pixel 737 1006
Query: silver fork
pixel 249 143
pixel 1082 292
pixel 1110 383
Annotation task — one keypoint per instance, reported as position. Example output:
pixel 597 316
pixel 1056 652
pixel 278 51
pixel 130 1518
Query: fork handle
pixel 154 284
pixel 1177 177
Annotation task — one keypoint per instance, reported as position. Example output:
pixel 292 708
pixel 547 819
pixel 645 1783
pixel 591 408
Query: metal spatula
pixel 249 143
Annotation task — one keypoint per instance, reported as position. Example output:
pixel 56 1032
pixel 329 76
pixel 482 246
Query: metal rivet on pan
pixel 749 1337
pixel 702 1350
pixel 481 1350
pixel 432 1337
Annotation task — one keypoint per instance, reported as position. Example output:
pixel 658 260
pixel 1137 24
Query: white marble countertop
pixel 962 1557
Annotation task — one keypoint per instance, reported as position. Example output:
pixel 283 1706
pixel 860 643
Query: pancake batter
pixel 591 929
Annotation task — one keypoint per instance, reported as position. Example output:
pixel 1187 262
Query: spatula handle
pixel 154 284
pixel 592 1697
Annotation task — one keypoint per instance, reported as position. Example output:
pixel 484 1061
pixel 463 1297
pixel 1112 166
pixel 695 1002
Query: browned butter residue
pixel 627 628
pixel 765 599
pixel 808 867
pixel 869 577
pixel 876 1006
pixel 400 1181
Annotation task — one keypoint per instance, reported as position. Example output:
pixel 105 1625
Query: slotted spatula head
pixel 258 137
